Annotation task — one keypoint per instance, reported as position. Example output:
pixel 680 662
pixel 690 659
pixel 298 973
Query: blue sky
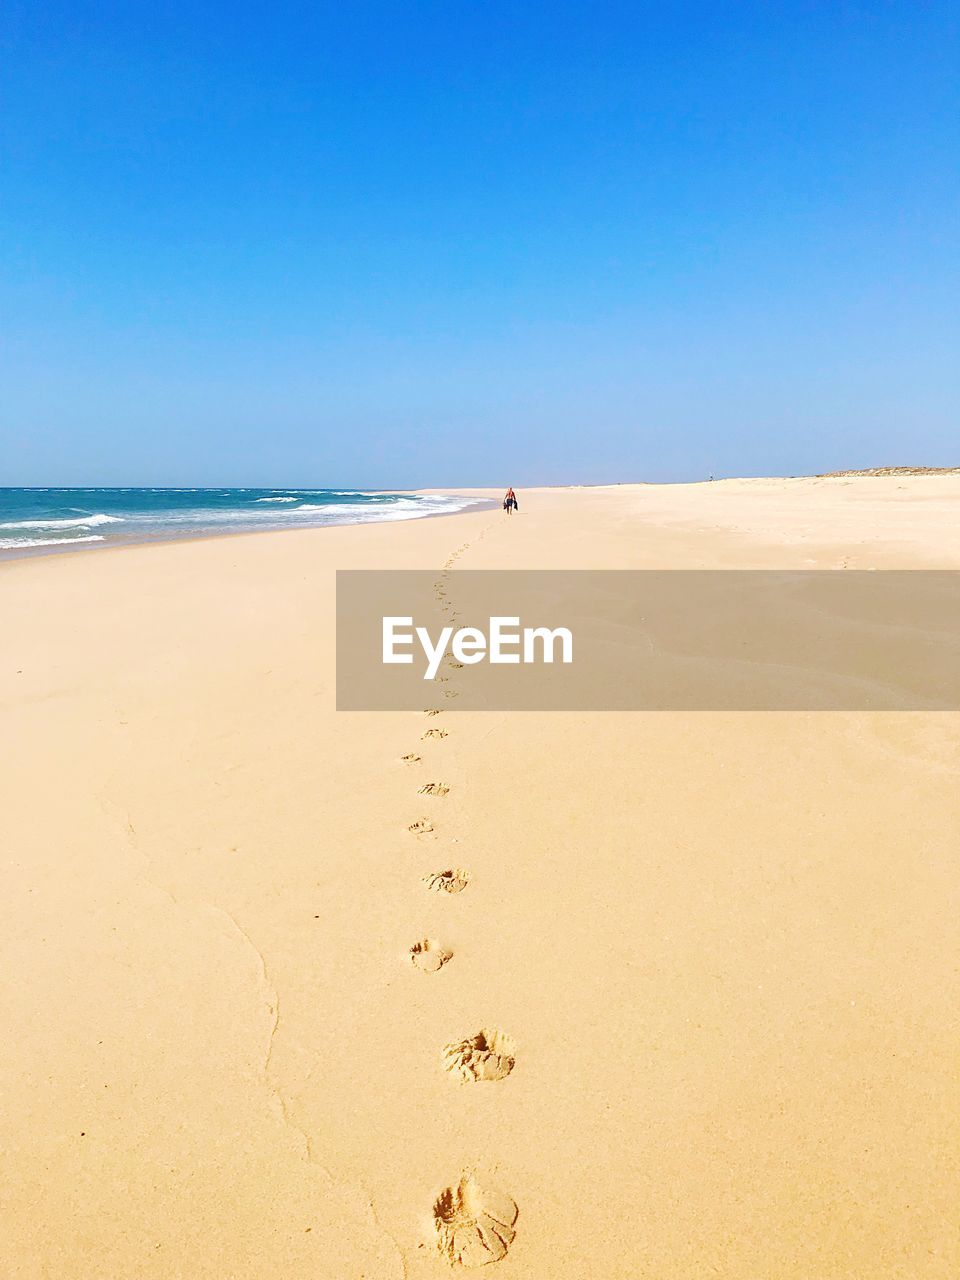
pixel 413 244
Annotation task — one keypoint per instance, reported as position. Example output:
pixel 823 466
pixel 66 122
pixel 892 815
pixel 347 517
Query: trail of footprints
pixel 474 1223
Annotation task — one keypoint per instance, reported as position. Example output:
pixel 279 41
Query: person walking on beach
pixel 510 502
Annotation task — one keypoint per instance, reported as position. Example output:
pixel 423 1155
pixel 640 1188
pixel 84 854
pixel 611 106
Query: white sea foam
pixel 388 509
pixel 81 522
pixel 279 511
pixel 17 544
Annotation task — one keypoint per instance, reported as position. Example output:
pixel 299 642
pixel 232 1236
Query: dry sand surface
pixel 692 1013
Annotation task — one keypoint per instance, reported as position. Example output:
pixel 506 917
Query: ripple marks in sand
pixel 453 880
pixel 489 1055
pixel 474 1224
pixel 429 956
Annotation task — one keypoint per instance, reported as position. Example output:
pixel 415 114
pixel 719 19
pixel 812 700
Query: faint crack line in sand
pixel 375 1218
pixel 272 1000
pixel 121 816
pixel 282 1106
pixel 271 995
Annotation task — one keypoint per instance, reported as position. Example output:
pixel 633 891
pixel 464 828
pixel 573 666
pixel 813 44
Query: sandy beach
pixel 720 949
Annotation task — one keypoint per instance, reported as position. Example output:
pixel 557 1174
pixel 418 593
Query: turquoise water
pixel 32 520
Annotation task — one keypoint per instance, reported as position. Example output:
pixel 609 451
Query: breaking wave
pixel 77 522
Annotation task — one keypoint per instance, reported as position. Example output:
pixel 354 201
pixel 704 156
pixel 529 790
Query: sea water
pixel 33 520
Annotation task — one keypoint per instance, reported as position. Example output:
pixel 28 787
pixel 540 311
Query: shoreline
pixel 123 543
pixel 483 498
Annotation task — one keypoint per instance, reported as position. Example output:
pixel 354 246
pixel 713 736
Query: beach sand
pixel 721 948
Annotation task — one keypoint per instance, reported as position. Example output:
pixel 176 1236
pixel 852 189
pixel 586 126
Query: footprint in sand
pixel 436 733
pixel 431 711
pixel 433 789
pixel 474 1224
pixel 411 758
pixel 421 827
pixel 454 880
pixel 429 956
pixel 489 1055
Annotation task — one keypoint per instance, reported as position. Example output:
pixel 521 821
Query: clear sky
pixel 397 244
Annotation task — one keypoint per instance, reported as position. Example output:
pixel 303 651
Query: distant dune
pixel 893 471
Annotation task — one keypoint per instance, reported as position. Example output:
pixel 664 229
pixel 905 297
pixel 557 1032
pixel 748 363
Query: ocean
pixel 35 520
